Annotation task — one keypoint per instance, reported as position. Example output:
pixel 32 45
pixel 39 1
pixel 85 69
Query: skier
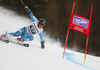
pixel 36 27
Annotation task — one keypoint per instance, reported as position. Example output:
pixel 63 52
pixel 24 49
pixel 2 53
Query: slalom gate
pixel 80 24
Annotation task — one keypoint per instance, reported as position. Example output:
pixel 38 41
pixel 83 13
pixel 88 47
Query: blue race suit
pixel 27 33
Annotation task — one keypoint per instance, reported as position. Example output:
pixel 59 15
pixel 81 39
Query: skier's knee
pixel 17 33
pixel 30 38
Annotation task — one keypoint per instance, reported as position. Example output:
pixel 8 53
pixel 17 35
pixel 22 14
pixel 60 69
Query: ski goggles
pixel 42 24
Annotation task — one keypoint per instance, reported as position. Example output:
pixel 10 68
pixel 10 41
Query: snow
pixel 17 57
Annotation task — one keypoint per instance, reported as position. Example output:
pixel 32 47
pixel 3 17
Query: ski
pixel 26 45
pixel 4 40
pixel 7 41
pixel 8 38
pixel 23 44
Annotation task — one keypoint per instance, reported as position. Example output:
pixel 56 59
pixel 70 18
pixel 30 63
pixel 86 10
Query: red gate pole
pixel 68 31
pixel 86 48
pixel 88 34
pixel 65 43
pixel 91 12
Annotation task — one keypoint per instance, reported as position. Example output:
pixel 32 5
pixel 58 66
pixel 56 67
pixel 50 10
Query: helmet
pixel 42 22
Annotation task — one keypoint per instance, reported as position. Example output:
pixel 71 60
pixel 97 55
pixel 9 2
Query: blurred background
pixel 57 14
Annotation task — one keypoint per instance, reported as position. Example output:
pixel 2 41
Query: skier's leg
pixel 15 34
pixel 18 33
pixel 27 38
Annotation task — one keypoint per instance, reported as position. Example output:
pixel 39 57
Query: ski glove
pixel 27 9
pixel 42 45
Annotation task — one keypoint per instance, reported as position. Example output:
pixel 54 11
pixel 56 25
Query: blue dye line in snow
pixel 69 56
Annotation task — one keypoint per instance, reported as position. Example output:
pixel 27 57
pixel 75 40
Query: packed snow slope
pixel 17 57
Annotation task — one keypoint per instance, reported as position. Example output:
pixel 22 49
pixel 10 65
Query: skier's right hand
pixel 27 9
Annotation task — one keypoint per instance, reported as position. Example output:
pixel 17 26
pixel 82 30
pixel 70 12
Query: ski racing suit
pixel 27 33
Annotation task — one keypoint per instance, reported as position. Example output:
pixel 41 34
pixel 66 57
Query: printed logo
pixel 81 22
pixel 32 29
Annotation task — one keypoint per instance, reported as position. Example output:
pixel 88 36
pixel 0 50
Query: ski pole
pixel 22 3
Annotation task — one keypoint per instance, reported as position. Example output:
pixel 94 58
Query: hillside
pixel 17 57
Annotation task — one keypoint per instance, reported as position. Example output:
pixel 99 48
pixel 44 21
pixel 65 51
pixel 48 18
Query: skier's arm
pixel 34 19
pixel 42 39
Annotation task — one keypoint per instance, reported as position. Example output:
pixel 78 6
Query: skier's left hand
pixel 42 45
